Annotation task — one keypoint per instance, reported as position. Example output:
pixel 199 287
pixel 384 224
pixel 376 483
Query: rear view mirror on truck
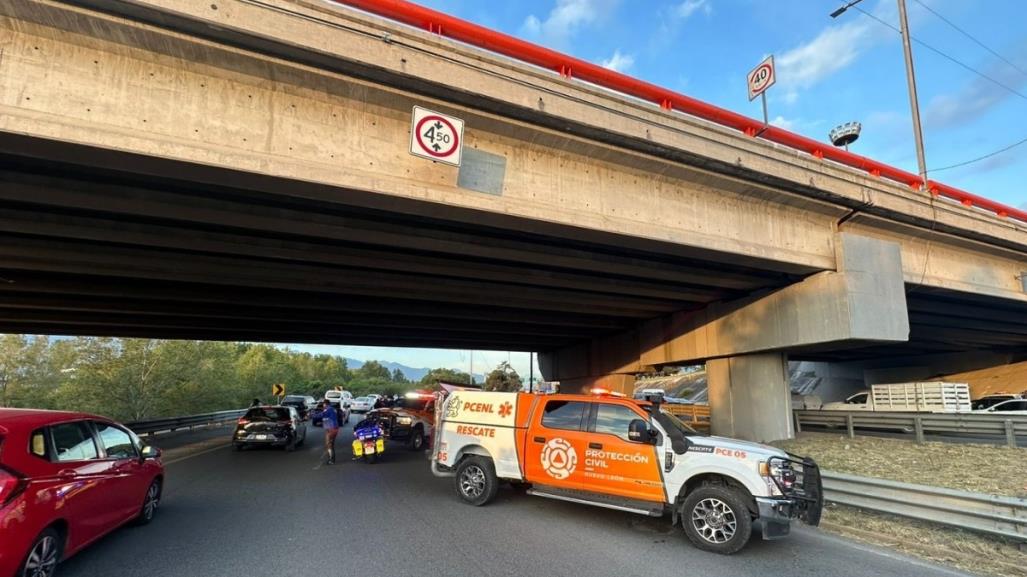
pixel 638 431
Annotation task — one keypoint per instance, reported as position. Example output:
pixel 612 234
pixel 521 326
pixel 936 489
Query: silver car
pixel 362 404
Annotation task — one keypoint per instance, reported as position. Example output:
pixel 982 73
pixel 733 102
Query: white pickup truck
pixel 629 455
pixel 921 397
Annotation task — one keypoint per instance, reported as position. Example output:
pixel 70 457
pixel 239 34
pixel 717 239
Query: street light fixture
pixel 845 134
pixel 914 104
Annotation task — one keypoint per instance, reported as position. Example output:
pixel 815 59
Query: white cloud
pixel 618 62
pixel 566 18
pixel 782 122
pixel 689 7
pixel 835 48
pixel 978 96
pixel 671 20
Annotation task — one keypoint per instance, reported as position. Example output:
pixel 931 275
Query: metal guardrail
pixel 154 426
pixel 1008 427
pixel 1005 516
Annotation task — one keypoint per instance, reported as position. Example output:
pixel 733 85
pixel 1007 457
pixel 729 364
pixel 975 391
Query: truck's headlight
pixel 404 420
pixel 778 475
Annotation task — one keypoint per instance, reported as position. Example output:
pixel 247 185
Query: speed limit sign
pixel 762 77
pixel 436 136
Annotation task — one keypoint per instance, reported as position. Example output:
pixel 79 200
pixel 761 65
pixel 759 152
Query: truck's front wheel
pixel 716 519
pixel 476 480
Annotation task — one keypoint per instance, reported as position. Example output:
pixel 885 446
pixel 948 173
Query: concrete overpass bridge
pixel 239 169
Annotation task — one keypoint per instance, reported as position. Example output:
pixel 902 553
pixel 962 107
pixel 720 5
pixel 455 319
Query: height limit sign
pixel 436 136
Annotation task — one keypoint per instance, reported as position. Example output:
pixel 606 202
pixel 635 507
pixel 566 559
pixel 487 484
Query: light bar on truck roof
pixel 597 391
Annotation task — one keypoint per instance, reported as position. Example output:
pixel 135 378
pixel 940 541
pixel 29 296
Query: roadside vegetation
pixel 132 379
pixel 967 467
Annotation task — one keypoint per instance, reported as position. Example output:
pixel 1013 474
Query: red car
pixel 67 479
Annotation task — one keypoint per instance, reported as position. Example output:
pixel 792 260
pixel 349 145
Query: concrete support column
pixel 750 397
pixel 608 362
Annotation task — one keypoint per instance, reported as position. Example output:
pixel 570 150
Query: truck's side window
pixel 860 399
pixel 563 415
pixel 614 419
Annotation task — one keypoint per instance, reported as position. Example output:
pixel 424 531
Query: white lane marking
pixel 210 450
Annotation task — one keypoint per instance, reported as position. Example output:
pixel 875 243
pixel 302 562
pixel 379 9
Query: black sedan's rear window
pixel 267 414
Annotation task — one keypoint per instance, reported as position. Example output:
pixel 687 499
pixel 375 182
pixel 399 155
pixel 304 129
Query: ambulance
pixel 609 451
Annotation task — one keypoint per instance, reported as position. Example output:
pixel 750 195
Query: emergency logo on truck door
pixel 453 407
pixel 559 458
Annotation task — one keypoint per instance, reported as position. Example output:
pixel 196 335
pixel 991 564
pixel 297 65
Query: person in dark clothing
pixel 255 403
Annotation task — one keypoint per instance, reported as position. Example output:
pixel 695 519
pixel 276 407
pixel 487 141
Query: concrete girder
pixel 254 109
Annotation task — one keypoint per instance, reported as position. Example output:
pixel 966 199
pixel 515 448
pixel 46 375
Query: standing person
pixel 330 421
pixel 255 403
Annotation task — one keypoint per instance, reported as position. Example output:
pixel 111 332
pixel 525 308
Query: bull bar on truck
pixel 802 498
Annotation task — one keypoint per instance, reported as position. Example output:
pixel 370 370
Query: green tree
pixel 262 366
pixel 29 373
pixel 399 377
pixel 115 377
pixel 373 370
pixel 503 378
pixel 434 376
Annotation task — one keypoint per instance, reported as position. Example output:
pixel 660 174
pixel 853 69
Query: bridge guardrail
pixel 1004 516
pixel 570 67
pixel 1008 427
pixel 168 424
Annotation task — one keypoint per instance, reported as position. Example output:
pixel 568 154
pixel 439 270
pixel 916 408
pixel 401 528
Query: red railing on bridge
pixel 571 67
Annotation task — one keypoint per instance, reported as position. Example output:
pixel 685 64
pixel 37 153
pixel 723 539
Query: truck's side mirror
pixel 638 431
pixel 679 446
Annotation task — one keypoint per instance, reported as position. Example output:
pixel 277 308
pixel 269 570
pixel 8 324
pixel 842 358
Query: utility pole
pixel 914 103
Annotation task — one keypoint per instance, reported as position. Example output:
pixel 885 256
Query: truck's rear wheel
pixel 476 480
pixel 716 519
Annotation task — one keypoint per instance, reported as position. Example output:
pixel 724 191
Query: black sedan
pixel 275 426
pixel 303 404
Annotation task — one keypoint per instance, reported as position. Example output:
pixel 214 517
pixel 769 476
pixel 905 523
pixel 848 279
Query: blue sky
pixel 829 72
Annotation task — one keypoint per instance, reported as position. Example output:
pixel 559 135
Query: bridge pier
pixel 745 342
pixel 750 397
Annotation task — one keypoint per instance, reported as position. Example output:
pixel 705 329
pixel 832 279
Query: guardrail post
pixel 849 425
pixel 1010 433
pixel 918 426
pixel 798 421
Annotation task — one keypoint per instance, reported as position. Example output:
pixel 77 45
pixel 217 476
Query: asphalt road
pixel 270 513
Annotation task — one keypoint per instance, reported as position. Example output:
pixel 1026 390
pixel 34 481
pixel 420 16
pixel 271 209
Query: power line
pixel 948 57
pixel 980 158
pixel 972 37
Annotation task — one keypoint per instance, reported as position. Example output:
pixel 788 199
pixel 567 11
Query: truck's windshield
pixel 674 426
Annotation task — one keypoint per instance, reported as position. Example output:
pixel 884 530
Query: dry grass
pixel 972 552
pixel 978 468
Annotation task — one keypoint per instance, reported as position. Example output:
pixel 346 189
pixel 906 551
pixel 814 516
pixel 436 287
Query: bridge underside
pixel 96 242
pixel 116 244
